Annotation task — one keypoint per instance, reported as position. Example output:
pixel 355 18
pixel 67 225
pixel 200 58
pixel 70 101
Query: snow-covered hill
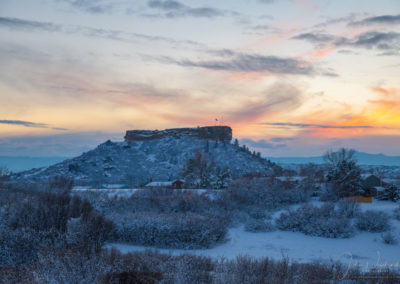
pixel 137 162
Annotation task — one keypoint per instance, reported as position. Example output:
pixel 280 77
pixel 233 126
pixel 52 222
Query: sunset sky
pixel 291 77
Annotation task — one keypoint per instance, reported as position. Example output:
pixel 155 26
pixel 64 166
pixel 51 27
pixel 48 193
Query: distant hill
pixel 152 155
pixel 363 159
pixel 17 164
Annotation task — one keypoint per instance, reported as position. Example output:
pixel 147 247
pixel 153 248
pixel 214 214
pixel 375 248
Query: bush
pixel 261 193
pixel 316 221
pixel 389 238
pixel 396 213
pixel 60 184
pixel 171 230
pixel 348 208
pixel 259 225
pixel 373 221
pixel 258 213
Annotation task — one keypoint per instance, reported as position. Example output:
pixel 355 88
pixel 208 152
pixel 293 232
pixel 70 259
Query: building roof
pixel 294 178
pixel 162 183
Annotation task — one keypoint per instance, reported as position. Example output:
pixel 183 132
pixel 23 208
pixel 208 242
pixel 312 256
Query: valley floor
pixel 364 250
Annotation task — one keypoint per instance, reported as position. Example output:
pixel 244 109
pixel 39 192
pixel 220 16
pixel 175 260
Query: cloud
pixel 29 124
pixel 334 21
pixel 175 9
pixel 282 139
pixel 24 123
pixel 389 42
pixel 264 144
pixel 315 37
pixel 308 125
pixel 14 23
pixel 241 62
pixel 266 1
pixel 91 6
pixel 116 35
pixel 381 20
pixel 280 97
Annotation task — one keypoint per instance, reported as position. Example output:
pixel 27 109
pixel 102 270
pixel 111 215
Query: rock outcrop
pixel 216 133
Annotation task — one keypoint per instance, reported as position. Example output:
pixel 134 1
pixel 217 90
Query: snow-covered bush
pixel 396 213
pixel 258 213
pixel 17 246
pixel 261 193
pixel 259 225
pixel 391 193
pixel 348 208
pixel 389 238
pixel 373 221
pixel 316 221
pixel 89 232
pixel 170 230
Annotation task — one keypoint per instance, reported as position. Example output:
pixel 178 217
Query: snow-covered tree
pixel 223 177
pixel 344 175
pixel 391 193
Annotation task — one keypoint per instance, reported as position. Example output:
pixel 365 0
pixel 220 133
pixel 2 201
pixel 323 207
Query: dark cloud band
pixel 307 125
pixel 29 124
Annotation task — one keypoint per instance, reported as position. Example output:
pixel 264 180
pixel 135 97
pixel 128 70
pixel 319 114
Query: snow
pixel 110 192
pixel 159 183
pixel 293 179
pixel 365 249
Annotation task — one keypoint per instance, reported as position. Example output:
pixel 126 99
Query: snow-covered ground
pixel 364 249
pixel 116 191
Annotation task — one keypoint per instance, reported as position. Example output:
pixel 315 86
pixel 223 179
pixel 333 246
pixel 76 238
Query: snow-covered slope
pixel 135 163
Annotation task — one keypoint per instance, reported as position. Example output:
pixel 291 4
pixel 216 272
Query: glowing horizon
pixel 294 77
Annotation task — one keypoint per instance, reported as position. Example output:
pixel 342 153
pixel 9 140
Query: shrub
pixel 373 221
pixel 389 238
pixel 348 208
pixel 257 213
pixel 316 221
pixel 396 213
pixel 259 225
pixel 17 246
pixel 171 230
pixel 60 184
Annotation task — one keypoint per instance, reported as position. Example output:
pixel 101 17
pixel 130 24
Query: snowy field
pixel 114 191
pixel 364 249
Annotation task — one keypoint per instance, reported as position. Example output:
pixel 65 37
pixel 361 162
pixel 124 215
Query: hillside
pixel 362 158
pixel 136 162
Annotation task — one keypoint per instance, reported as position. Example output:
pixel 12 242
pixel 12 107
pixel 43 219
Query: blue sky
pixel 292 77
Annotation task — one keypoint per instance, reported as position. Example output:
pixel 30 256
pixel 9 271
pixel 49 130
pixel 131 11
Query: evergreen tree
pixel 391 193
pixel 344 175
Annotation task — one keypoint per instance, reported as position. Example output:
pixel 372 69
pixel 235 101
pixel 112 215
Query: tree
pixel 344 174
pixel 391 193
pixel 207 147
pixel 223 177
pixel 198 172
pixel 312 172
pixel 4 175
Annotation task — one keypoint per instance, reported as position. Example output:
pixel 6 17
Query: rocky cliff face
pixel 216 133
pixel 163 157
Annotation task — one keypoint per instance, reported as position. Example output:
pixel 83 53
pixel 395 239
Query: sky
pixel 291 77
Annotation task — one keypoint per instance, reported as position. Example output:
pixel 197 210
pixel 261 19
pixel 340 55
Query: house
pixel 376 191
pixel 372 185
pixel 175 184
